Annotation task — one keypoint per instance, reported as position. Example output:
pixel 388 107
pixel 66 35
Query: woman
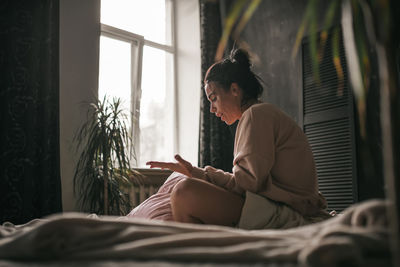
pixel 272 157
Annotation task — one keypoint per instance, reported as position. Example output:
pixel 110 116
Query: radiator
pixel 152 181
pixel 138 194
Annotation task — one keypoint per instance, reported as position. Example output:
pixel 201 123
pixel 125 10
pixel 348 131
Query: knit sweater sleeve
pixel 254 157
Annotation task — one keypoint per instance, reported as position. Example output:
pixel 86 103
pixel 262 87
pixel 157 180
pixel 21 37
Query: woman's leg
pixel 197 201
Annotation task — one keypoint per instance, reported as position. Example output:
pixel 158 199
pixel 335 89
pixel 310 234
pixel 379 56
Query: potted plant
pixel 103 169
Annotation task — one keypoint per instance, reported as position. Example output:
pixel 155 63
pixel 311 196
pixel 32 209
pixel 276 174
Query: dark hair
pixel 236 69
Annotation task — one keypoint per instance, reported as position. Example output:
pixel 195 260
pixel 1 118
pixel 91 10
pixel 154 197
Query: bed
pixel 357 237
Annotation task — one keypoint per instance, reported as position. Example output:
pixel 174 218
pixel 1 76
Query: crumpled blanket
pixel 349 239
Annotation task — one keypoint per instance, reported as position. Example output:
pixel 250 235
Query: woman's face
pixel 225 104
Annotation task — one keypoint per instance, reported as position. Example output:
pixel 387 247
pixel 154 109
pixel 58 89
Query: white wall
pixel 187 29
pixel 79 57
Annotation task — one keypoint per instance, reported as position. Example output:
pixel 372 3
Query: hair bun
pixel 241 57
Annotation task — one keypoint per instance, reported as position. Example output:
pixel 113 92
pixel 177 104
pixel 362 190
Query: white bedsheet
pixel 361 232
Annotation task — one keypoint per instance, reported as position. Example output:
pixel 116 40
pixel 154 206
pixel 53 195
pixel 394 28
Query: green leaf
pixel 251 8
pixel 229 23
pixel 302 28
pixel 336 60
pixel 103 142
pixel 313 40
pixel 329 16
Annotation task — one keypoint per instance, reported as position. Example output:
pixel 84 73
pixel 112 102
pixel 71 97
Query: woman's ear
pixel 235 89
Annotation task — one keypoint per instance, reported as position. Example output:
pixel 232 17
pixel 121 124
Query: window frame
pixel 137 43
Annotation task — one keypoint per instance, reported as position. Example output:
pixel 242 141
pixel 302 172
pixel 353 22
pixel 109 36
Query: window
pixel 137 65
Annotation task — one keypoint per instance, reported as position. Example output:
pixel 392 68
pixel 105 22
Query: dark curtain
pixel 215 138
pixel 30 185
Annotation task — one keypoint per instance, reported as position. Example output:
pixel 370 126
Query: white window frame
pixel 137 43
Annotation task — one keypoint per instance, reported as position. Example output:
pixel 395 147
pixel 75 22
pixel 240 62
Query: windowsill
pixel 153 176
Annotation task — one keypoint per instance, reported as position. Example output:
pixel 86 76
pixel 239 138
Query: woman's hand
pixel 182 166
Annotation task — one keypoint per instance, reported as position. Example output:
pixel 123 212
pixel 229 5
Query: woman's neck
pixel 249 104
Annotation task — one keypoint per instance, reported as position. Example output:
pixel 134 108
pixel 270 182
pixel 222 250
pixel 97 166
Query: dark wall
pixel 271 35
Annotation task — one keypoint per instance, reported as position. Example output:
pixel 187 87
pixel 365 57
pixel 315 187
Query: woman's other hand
pixel 182 166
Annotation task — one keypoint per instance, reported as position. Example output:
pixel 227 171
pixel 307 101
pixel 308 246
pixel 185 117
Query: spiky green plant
pixel 103 168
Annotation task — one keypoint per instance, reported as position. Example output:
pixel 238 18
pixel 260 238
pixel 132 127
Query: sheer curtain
pixel 215 138
pixel 29 99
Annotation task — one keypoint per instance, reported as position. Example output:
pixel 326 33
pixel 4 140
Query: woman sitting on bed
pixel 273 162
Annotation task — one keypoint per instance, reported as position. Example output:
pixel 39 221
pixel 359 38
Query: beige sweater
pixel 272 158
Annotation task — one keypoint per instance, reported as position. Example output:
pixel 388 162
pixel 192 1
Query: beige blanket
pixel 359 234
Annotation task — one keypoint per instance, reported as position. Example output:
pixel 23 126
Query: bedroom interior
pixel 49 62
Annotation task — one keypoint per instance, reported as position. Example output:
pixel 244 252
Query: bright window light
pixel 114 73
pixel 156 110
pixel 142 51
pixel 144 17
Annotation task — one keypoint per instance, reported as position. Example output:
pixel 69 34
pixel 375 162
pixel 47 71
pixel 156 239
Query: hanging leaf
pixel 228 26
pixel 313 40
pixel 336 60
pixel 353 63
pixel 329 16
pixel 302 28
pixel 252 7
pixel 361 39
